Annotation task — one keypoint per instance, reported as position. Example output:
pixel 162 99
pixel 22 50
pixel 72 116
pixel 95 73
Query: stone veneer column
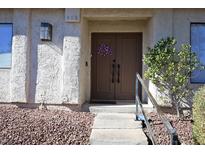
pixel 71 69
pixel 20 51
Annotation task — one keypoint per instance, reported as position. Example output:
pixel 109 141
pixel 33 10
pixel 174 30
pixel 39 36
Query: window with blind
pixel 5 45
pixel 198 46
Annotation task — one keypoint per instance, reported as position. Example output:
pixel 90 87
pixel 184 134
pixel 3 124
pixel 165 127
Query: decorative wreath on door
pixel 104 50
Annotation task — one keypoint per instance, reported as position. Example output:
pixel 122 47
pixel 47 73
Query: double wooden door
pixel 116 57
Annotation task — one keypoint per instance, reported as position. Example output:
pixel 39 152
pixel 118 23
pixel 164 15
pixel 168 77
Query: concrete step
pixel 116 108
pixel 117 128
pixel 118 137
pixel 112 110
pixel 116 121
pixel 115 116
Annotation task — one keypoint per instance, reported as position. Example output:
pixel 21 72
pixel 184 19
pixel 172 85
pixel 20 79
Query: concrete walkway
pixel 117 128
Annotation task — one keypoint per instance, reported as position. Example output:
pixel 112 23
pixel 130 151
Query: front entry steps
pixel 116 129
pixel 113 108
pixel 120 107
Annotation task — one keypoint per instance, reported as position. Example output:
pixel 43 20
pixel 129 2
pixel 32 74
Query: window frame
pixel 8 23
pixel 191 23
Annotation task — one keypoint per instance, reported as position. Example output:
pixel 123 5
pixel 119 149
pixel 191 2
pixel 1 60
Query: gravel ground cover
pixel 36 127
pixel 182 125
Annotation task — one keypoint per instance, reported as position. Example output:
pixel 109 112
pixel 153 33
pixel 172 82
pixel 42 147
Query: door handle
pixel 113 72
pixel 118 73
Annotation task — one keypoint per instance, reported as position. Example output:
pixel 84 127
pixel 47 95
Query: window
pixel 5 45
pixel 198 46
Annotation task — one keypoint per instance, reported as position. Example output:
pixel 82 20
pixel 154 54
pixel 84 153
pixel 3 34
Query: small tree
pixel 170 69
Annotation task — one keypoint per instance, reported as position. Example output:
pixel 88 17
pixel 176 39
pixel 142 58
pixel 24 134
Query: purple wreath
pixel 104 50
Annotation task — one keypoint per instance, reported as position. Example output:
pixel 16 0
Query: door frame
pixel 139 59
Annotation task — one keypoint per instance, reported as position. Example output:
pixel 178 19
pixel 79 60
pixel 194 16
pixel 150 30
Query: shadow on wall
pixel 54 47
pixel 33 73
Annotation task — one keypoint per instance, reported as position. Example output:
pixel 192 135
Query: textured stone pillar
pixel 20 51
pixel 71 69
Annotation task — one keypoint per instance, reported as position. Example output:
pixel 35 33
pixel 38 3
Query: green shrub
pixel 199 116
pixel 169 69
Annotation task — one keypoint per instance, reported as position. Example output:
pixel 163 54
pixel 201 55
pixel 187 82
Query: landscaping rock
pixel 182 125
pixel 34 126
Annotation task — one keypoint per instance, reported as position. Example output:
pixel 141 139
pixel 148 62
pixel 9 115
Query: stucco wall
pixel 46 68
pixel 114 13
pixel 176 23
pixel 71 63
pixel 84 63
pixel 20 54
pixel 159 26
pixel 41 71
pixel 6 15
pixel 4 85
pixel 53 66
pixel 56 71
pixel 183 18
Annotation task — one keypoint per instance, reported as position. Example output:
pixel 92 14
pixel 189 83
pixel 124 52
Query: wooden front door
pixel 116 57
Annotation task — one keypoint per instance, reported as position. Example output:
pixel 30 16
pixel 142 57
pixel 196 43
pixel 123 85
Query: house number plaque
pixel 72 15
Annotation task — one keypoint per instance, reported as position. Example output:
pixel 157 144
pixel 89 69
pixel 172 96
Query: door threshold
pixel 103 102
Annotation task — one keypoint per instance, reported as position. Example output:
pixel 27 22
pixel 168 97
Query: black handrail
pixel 172 131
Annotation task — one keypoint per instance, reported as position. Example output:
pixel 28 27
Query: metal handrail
pixel 172 131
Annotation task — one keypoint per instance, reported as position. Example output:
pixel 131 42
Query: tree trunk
pixel 177 109
pixel 176 104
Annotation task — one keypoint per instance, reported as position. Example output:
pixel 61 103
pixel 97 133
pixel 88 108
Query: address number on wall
pixel 72 15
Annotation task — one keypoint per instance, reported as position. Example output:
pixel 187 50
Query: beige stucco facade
pixel 56 72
